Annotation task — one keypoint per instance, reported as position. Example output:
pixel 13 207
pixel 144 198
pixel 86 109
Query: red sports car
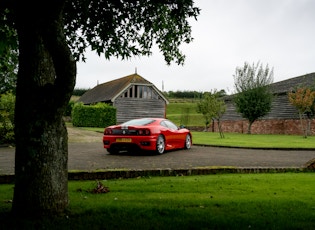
pixel 155 134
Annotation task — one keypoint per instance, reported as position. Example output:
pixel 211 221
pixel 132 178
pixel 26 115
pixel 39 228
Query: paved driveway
pixel 92 156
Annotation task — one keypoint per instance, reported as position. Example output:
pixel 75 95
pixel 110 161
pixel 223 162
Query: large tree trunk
pixel 45 83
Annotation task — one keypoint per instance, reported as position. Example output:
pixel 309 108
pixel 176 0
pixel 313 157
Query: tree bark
pixel 46 79
pixel 249 130
pixel 220 128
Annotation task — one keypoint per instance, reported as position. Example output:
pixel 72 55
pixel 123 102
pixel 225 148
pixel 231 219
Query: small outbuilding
pixel 132 96
pixel 283 117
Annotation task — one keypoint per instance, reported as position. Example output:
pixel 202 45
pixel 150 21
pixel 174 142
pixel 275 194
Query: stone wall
pixel 268 126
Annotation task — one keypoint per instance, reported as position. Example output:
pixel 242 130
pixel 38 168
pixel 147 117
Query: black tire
pixel 188 142
pixel 113 151
pixel 160 144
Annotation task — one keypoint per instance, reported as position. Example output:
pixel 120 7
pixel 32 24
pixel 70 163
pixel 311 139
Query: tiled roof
pixel 292 83
pixel 281 107
pixel 285 86
pixel 107 91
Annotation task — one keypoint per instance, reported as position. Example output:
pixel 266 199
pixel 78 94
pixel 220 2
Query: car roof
pixel 154 120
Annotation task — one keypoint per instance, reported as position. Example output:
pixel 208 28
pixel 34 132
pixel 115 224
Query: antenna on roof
pixel 136 70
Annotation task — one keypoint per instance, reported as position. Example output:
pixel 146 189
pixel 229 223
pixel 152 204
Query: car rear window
pixel 138 122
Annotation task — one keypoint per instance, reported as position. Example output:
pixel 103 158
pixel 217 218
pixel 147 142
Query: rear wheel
pixel 160 144
pixel 188 142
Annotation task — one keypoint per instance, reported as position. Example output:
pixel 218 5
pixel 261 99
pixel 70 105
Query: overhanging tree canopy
pixel 127 28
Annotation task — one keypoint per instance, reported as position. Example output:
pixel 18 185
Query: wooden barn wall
pixel 280 109
pixel 282 119
pixel 131 108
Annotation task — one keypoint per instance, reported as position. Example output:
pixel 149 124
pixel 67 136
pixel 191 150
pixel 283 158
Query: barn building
pixel 132 96
pixel 283 117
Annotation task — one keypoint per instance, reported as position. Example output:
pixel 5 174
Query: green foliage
pixel 99 115
pixel 183 94
pixel 8 54
pixel 8 71
pixel 69 108
pixel 7 102
pixel 303 99
pixel 253 99
pixel 186 94
pixel 79 92
pixel 212 108
pixel 205 108
pixel 131 27
pixel 254 103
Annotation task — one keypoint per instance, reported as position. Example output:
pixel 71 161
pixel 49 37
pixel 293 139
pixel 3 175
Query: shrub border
pixel 125 174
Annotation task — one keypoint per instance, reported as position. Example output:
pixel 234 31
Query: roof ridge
pixel 108 90
pixel 293 78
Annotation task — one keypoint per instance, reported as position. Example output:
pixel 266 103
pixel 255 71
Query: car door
pixel 169 135
pixel 176 136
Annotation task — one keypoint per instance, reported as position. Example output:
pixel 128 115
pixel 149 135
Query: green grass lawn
pixel 254 140
pixel 184 113
pixel 223 201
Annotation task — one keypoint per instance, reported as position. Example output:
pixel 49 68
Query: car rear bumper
pixel 126 142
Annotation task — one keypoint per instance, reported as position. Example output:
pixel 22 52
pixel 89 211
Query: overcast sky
pixel 280 33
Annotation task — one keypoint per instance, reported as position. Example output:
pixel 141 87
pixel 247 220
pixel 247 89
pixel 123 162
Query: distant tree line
pixel 170 94
pixel 79 91
pixel 190 94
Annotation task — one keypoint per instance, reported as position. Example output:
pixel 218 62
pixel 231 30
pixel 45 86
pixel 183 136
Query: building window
pixel 140 91
pixel 130 92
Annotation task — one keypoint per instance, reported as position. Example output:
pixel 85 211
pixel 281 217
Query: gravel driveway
pixel 86 153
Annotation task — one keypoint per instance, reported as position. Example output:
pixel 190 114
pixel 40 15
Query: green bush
pixel 7 104
pixel 69 108
pixel 99 115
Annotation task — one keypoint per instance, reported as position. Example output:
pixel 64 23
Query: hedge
pixel 100 115
pixel 7 104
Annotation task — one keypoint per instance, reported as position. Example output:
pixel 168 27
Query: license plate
pixel 128 140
